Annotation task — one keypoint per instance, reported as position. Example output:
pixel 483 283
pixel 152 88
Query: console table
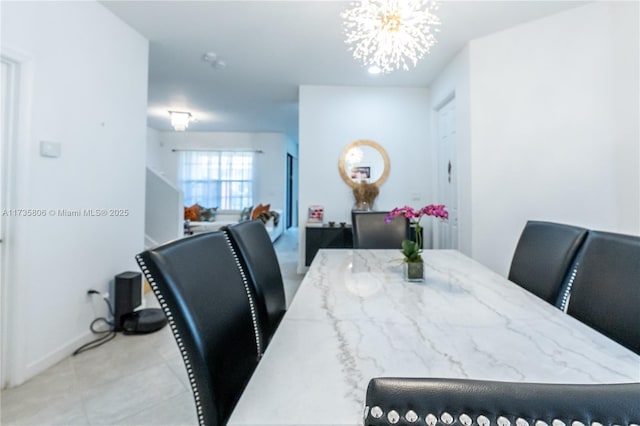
pixel 325 236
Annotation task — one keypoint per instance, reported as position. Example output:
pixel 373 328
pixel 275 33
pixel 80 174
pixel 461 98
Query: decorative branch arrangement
pixel 365 194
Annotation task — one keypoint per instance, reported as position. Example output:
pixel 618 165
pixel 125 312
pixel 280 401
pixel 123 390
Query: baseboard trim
pixel 55 356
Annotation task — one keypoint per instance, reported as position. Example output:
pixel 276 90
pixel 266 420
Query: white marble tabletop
pixel 354 318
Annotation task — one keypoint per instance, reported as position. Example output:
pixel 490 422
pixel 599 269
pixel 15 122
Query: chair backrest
pixel 370 231
pixel 207 301
pixel 544 256
pixel 443 402
pixel 606 288
pixel 251 241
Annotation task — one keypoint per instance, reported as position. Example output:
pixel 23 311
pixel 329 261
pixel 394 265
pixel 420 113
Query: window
pixel 217 179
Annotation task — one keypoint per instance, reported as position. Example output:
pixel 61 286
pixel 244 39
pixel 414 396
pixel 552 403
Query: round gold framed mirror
pixel 364 161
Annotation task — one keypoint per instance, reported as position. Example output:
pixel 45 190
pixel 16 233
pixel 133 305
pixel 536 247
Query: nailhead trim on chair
pixel 567 291
pixel 445 418
pixel 176 335
pixel 483 421
pixel 254 318
pixel 465 420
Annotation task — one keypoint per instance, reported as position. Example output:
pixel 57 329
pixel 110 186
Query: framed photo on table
pixel 315 215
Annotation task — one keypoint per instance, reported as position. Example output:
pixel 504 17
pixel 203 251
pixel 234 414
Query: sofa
pixel 273 222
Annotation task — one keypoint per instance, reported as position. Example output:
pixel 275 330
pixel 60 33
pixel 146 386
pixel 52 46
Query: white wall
pixel 333 117
pixel 271 162
pixel 164 218
pixel 154 161
pixel 554 127
pixel 88 86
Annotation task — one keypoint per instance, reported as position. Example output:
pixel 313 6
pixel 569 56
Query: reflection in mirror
pixel 364 161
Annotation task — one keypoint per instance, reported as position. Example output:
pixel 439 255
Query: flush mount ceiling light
pixel 180 120
pixel 390 34
pixel 212 59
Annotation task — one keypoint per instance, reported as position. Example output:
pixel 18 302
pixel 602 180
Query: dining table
pixel 354 317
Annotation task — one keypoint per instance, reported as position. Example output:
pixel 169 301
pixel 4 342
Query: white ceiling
pixel 272 47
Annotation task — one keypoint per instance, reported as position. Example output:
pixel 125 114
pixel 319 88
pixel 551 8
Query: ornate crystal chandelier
pixel 390 34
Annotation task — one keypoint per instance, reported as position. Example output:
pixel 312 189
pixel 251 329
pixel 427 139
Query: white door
pixel 447 231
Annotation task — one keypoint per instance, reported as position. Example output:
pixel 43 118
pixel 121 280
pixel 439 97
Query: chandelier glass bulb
pixel 390 34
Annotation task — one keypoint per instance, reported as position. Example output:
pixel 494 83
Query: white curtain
pixel 222 179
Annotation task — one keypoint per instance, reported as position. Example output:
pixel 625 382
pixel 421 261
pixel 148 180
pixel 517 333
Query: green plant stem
pixel 419 236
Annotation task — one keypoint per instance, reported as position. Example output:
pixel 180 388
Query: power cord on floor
pixel 108 334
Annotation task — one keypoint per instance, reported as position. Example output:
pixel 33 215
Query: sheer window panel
pixel 223 179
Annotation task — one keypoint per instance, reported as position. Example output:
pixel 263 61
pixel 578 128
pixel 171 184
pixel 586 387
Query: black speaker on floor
pixel 127 296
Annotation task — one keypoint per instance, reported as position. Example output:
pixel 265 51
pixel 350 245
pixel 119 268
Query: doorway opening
pixel 289 222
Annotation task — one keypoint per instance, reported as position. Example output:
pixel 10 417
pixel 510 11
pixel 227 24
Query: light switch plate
pixel 50 149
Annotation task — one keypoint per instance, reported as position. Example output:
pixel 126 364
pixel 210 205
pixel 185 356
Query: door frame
pixel 15 161
pixel 289 189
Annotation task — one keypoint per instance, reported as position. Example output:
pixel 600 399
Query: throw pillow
pixel 256 211
pixel 266 215
pixel 259 210
pixel 208 215
pixel 192 213
pixel 246 214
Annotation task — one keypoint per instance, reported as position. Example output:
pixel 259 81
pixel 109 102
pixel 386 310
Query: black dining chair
pixel 457 402
pixel 605 291
pixel 209 305
pixel 544 256
pixel 251 241
pixel 370 231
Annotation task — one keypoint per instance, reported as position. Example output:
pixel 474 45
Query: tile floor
pixel 131 380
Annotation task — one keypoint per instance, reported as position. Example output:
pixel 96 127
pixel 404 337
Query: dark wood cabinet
pixel 318 237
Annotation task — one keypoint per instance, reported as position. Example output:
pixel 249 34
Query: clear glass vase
pixel 362 206
pixel 413 271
